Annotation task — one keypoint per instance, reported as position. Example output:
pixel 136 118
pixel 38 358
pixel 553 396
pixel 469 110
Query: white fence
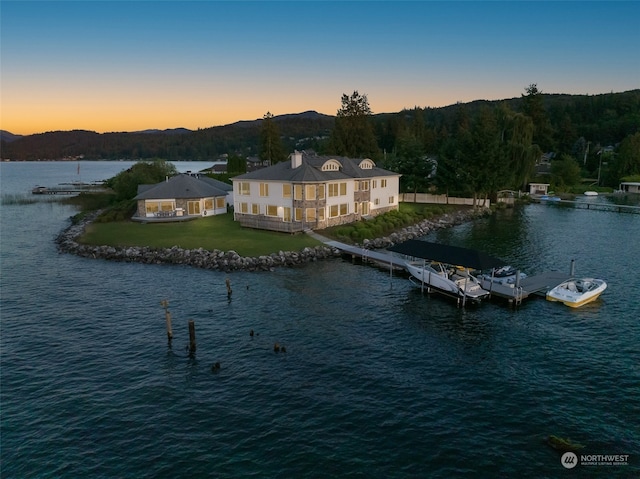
pixel 442 199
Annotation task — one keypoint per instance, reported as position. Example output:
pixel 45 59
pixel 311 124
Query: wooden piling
pixel 192 337
pixel 167 316
pixel 229 291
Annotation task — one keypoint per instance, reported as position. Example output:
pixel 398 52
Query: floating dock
pixel 536 285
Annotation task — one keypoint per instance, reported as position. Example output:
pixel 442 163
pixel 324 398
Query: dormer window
pixel 366 164
pixel 331 165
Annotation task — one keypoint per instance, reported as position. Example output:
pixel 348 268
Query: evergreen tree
pixel 533 106
pixel 271 149
pixel 352 135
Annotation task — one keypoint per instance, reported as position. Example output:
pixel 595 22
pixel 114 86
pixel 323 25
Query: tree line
pixel 474 148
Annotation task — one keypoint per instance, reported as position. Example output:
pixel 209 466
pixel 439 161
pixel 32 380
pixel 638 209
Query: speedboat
pixel 577 292
pixel 449 279
pixel 504 275
pixel 590 193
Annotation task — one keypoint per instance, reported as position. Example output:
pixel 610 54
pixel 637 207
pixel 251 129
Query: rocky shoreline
pixel 231 261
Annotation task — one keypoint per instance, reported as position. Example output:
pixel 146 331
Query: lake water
pixel 377 381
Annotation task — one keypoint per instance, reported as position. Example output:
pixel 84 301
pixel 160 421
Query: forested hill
pixel 604 119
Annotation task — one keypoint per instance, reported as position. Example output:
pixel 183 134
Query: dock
pixel 592 205
pixel 536 285
pixel 68 189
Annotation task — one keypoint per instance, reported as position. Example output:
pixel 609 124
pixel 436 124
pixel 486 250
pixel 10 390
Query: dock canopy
pixel 442 253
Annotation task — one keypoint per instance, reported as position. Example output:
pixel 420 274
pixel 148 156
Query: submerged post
pixel 192 338
pixel 167 315
pixel 229 291
pixel 572 270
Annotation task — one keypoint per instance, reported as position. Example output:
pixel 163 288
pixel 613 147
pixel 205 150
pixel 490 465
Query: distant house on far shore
pixel 183 196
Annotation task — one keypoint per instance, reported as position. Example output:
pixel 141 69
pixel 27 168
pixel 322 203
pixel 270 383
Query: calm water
pixel 377 381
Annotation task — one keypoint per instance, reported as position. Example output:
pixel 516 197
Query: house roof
pixel 310 170
pixel 469 258
pixel 221 185
pixel 179 186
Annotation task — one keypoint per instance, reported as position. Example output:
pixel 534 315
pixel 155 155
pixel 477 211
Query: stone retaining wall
pixel 230 260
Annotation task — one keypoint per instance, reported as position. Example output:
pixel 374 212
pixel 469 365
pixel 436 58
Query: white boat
pixel 446 269
pixel 590 193
pixel 504 275
pixel 577 292
pixel 447 278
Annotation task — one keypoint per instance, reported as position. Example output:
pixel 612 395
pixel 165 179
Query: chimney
pixel 296 159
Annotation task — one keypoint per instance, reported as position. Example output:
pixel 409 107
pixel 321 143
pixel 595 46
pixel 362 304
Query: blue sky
pixel 126 66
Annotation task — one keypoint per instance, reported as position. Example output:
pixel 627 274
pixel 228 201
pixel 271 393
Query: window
pixel 152 207
pixel 390 200
pixel 310 192
pixel 286 191
pixel 364 208
pixel 297 192
pixel 264 189
pixel 310 213
pixel 208 203
pixel 287 214
pixel 193 207
pixel 383 183
pixel 333 189
pixel 364 185
pixel 244 208
pixel 320 190
pixel 343 189
pixel 356 185
pixel 298 213
pixel 333 211
pixel 255 209
pixel 220 202
pixel 321 214
pixel 272 210
pixel 344 209
pixel 376 201
pixel 331 165
pixel 245 188
pixel 374 184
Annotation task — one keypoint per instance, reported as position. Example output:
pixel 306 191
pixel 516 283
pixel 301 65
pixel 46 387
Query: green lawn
pixel 214 232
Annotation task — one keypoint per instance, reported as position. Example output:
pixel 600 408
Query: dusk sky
pixel 128 66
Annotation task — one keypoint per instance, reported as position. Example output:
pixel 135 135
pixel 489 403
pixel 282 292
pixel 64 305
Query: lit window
pixel 333 189
pixel 245 188
pixel 310 213
pixel 310 192
pixel 264 189
pixel 333 211
pixel 244 208
pixel 255 209
pixel 298 214
pixel 297 192
pixel 272 210
pixel 220 202
pixel 344 209
pixel 343 189
pixel 286 191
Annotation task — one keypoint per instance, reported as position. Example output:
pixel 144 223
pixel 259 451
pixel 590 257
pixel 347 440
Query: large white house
pixel 313 192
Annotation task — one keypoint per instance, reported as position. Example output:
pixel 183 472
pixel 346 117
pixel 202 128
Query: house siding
pixel 339 193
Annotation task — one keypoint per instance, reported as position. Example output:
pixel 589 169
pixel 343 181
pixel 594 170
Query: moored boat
pixel 577 292
pixel 445 268
pixel 505 275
